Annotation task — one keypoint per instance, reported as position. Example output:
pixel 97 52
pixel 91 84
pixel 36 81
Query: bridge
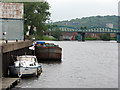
pixel 81 32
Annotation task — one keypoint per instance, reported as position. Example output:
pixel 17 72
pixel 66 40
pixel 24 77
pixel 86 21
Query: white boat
pixel 25 65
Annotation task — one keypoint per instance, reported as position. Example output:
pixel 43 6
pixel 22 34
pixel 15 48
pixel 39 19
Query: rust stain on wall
pixel 11 10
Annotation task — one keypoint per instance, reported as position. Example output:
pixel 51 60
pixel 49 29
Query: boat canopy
pixel 26 61
pixel 27 58
pixel 40 42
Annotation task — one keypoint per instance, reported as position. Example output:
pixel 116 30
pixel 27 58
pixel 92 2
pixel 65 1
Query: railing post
pixel 118 37
pixel 83 36
pixel 79 36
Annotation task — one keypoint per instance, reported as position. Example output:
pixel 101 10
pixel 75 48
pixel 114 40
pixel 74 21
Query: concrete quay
pixel 8 83
pixel 11 46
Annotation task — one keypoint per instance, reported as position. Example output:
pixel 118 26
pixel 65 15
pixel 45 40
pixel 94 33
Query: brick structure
pixel 110 25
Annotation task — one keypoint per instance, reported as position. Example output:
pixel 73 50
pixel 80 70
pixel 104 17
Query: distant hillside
pixel 94 21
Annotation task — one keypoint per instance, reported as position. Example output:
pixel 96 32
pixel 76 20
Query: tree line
pixel 93 21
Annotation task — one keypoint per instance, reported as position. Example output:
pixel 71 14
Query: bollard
pixel 16 40
pixel 79 36
pixel 6 41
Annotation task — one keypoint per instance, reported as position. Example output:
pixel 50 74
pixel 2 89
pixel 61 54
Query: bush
pixel 49 38
pixel 105 36
pixel 38 37
pixel 92 38
pixel 44 38
pixel 112 38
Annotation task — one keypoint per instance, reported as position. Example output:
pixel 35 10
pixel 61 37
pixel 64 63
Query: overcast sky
pixel 71 9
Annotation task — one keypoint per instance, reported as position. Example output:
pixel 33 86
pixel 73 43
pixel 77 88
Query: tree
pixel 36 15
pixel 31 30
pixel 55 31
pixel 105 36
pixel 95 21
pixel 76 37
pixel 83 28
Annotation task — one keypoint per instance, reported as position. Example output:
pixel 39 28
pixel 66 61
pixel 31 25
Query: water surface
pixel 89 64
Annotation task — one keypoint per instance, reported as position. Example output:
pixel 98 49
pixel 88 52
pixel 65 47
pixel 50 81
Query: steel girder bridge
pixel 81 32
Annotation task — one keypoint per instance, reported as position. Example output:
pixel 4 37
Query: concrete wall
pixel 14 29
pixel 15 46
pixel 10 51
pixel 0 69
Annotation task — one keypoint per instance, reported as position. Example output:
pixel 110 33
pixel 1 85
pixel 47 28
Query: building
pixel 110 25
pixel 12 21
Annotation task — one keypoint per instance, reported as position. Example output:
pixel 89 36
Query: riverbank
pixel 41 38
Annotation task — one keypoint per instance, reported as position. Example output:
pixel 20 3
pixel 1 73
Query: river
pixel 89 64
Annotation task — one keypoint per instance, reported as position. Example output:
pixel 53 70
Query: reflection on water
pixel 90 64
pixel 51 62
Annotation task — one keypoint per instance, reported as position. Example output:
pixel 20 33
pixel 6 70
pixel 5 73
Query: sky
pixel 71 9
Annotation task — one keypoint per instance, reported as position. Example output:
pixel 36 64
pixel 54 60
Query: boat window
pixel 21 65
pixel 26 58
pixel 31 64
pixel 35 59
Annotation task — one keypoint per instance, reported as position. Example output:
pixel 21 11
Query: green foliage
pixel 35 15
pixel 25 29
pixel 38 37
pixel 83 28
pixel 76 37
pixel 112 38
pixel 94 21
pixel 105 36
pixel 44 38
pixel 31 31
pixel 56 33
pixel 48 38
pixel 91 38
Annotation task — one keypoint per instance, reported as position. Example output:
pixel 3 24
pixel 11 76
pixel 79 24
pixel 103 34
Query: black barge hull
pixel 48 53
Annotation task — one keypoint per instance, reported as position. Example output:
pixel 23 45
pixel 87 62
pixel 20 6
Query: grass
pixel 42 37
pixel 91 39
pixel 49 38
pixel 98 39
pixel 112 38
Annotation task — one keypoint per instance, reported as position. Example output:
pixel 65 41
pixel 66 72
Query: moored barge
pixel 47 51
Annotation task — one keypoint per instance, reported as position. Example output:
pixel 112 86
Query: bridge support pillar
pixel 118 37
pixel 79 36
pixel 83 36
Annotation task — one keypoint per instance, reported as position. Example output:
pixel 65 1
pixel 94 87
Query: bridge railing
pixel 90 30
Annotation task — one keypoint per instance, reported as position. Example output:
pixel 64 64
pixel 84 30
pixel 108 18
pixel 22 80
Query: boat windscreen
pixel 26 59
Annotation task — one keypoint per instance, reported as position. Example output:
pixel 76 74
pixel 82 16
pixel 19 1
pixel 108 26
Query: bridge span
pixel 81 32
